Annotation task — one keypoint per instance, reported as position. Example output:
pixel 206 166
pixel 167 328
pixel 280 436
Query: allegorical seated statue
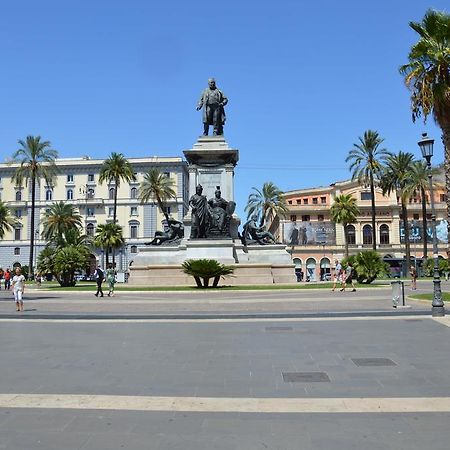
pixel 212 100
pixel 220 212
pixel 254 233
pixel 200 214
pixel 175 230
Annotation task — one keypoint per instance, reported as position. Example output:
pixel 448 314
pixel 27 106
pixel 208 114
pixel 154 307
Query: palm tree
pixel 397 177
pixel 6 220
pixel 344 211
pixel 109 236
pixel 115 169
pixel 157 186
pixel 36 160
pixel 266 203
pixel 59 221
pixel 427 76
pixel 420 185
pixel 366 161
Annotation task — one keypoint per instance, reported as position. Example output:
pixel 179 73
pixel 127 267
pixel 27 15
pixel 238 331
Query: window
pixel 110 211
pixel 18 213
pixel 69 194
pixel 90 229
pixel 384 234
pixel 91 177
pixel 111 193
pixel 48 195
pixel 315 201
pixel 306 218
pixel 18 196
pixel 305 201
pixel 367 234
pixel 320 217
pixel 351 235
pixel 70 178
pixel 90 212
pixel 167 209
pixel 416 216
pixel 323 200
pixel 17 234
pixel 293 218
pixel 133 231
pixel 133 249
pixel 133 193
pixel 166 174
pixel 366 195
pixel 299 202
pixel 17 251
pixel 290 202
pixel 442 198
pixel 90 193
pixel 133 211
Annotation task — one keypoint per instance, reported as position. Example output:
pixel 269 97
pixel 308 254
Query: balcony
pixel 96 201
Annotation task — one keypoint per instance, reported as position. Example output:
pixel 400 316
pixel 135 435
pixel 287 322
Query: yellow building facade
pixel 315 241
pixel 77 183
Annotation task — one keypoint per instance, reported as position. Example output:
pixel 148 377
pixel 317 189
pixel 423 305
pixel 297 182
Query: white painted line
pixel 220 404
pixel 218 320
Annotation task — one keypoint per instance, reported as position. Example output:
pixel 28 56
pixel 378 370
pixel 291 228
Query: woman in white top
pixel 18 283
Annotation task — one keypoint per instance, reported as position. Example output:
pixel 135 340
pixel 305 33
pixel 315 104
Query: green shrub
pixel 205 269
pixel 368 266
pixel 443 267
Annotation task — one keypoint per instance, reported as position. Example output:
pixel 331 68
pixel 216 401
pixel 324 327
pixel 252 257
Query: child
pixel 18 284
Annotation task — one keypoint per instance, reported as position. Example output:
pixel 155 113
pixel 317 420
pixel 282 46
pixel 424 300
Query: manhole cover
pixel 305 377
pixel 373 362
pixel 279 328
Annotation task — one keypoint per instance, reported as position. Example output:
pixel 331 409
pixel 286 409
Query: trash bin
pixel 398 292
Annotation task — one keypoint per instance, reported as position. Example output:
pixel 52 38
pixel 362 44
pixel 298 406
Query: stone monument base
pixel 253 264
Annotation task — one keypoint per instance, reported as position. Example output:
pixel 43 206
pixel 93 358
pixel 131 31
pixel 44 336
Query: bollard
pixel 398 291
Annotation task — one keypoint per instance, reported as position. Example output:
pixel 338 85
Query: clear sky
pixel 304 80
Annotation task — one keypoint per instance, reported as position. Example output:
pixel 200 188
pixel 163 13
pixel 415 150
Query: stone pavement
pixel 313 382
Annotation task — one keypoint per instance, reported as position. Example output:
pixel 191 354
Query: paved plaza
pixel 225 370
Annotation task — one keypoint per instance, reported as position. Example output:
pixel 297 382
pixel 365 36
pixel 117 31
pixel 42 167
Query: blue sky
pixel 304 80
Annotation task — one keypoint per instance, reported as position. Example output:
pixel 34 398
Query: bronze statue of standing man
pixel 213 101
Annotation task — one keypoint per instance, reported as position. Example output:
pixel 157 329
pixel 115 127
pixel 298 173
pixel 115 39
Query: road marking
pixel 443 320
pixel 216 320
pixel 220 404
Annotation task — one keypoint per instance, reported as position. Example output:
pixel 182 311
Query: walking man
pixel 348 278
pixel 99 277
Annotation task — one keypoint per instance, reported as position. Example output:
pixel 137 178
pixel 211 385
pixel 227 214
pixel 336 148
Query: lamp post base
pixel 438 311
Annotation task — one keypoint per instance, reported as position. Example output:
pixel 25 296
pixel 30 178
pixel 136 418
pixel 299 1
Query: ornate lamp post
pixel 426 146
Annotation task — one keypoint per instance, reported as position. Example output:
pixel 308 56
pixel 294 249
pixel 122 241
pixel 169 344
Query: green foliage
pixel 108 236
pixel 368 265
pixel 6 220
pixel 266 203
pixel 60 221
pixel 444 266
pixel 157 186
pixel 206 269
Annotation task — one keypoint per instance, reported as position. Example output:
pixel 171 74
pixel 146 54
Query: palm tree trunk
pixel 346 240
pixel 424 223
pixel 446 141
pixel 374 230
pixel 33 201
pixel 407 243
pixel 116 186
pixel 161 207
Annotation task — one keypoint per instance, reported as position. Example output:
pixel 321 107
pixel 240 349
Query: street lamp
pixel 426 146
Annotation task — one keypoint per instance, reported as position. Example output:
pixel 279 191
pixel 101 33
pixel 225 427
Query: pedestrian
pixel 413 273
pixel 18 283
pixel 337 274
pixel 99 278
pixel 111 279
pixel 2 275
pixel 7 279
pixel 348 278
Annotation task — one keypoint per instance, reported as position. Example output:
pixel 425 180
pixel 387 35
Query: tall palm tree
pixel 157 186
pixel 344 210
pixel 109 236
pixel 59 222
pixel 419 184
pixel 366 162
pixel 116 169
pixel 7 221
pixel 36 160
pixel 427 76
pixel 267 203
pixel 397 178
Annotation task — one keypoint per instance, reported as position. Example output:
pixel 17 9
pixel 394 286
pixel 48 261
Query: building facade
pixel 77 183
pixel 315 241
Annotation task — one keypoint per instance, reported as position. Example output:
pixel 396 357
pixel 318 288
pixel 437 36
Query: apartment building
pixel 77 183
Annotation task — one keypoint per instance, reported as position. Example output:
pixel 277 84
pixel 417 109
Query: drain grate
pixel 305 377
pixel 279 328
pixel 373 362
